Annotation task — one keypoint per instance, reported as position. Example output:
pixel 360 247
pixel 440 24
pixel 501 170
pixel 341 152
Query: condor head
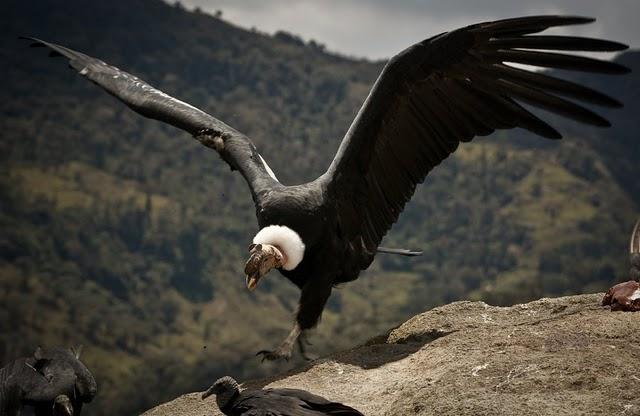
pixel 262 258
pixel 275 246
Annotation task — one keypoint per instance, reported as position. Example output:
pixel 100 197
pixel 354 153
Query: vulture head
pixel 274 247
pixel 62 406
pixel 262 258
pixel 226 390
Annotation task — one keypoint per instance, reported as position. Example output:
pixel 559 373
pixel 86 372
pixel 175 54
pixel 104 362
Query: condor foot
pixel 285 349
pixel 278 354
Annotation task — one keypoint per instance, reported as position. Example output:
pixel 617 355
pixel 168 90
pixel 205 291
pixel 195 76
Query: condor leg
pixel 313 298
pixel 285 349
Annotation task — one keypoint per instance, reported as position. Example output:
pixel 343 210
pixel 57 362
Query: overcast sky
pixel 379 28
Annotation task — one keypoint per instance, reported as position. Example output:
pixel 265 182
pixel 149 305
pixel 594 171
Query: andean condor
pixel 272 402
pixel 430 97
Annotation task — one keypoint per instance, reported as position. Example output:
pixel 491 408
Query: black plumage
pixel 430 97
pixel 273 402
pixel 53 380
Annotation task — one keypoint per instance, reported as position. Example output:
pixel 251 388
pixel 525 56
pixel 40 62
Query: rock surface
pixel 563 356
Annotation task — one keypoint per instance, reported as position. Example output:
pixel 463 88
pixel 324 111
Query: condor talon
pixel 273 355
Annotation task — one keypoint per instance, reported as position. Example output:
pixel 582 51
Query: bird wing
pixel 257 411
pixel 283 402
pixel 235 148
pixel 262 403
pixel 315 403
pixel 39 389
pixel 444 90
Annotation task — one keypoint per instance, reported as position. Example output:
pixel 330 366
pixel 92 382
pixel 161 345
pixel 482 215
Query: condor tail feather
pixel 400 251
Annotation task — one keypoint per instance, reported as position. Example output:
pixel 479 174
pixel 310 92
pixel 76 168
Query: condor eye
pixel 48 376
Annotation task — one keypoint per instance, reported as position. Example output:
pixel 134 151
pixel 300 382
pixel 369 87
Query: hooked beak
pixel 67 409
pixel 252 281
pixel 207 393
pixel 64 404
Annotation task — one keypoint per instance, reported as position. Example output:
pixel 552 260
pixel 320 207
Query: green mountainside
pixel 127 236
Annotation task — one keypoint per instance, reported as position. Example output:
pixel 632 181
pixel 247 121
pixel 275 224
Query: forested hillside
pixel 129 237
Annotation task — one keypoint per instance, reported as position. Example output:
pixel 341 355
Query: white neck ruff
pixel 287 240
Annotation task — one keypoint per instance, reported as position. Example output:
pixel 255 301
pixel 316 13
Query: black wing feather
pixel 555 60
pixel 446 89
pixel 284 402
pixel 315 403
pixel 234 147
pixel 552 84
pixel 557 43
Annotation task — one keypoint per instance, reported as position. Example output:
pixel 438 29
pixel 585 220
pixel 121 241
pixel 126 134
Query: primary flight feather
pixel 430 97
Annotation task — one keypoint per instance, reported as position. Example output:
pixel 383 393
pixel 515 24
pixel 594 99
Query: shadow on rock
pixel 377 352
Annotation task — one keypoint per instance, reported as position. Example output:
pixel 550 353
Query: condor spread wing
pixel 447 89
pixel 235 148
pixel 283 402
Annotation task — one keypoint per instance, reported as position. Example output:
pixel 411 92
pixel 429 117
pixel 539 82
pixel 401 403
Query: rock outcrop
pixel 563 356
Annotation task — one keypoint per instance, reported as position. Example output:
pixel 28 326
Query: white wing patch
pixel 269 171
pixel 138 83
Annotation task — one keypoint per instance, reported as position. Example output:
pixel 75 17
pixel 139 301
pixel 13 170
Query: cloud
pixel 379 28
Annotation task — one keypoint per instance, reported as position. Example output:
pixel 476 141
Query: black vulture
pixel 52 380
pixel 272 402
pixel 430 97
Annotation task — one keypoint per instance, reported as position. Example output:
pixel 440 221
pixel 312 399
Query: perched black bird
pixel 430 97
pixel 272 402
pixel 53 380
pixel 634 252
